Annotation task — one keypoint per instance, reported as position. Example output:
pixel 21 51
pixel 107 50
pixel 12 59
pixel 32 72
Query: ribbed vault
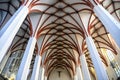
pixel 61 22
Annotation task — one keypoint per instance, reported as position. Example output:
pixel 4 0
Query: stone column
pixel 84 67
pixel 98 65
pixel 110 23
pixel 42 73
pixel 35 73
pixel 75 77
pixel 82 60
pixel 79 73
pixel 10 29
pixel 26 60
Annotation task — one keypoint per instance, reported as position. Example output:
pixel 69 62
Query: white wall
pixel 64 75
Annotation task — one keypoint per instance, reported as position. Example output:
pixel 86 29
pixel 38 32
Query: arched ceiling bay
pixel 60 23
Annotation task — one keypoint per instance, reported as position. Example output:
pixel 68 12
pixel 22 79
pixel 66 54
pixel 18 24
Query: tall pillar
pixel 9 31
pixel 98 65
pixel 79 73
pixel 26 60
pixel 75 77
pixel 110 23
pixel 35 73
pixel 45 78
pixel 42 73
pixel 84 67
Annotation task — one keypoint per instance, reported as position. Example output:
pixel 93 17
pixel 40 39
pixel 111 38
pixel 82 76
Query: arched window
pixel 12 64
pixel 113 62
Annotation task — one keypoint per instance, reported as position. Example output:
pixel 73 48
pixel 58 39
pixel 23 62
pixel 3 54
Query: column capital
pixel 33 37
pixel 29 3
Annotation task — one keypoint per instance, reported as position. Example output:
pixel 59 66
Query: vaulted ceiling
pixel 61 23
